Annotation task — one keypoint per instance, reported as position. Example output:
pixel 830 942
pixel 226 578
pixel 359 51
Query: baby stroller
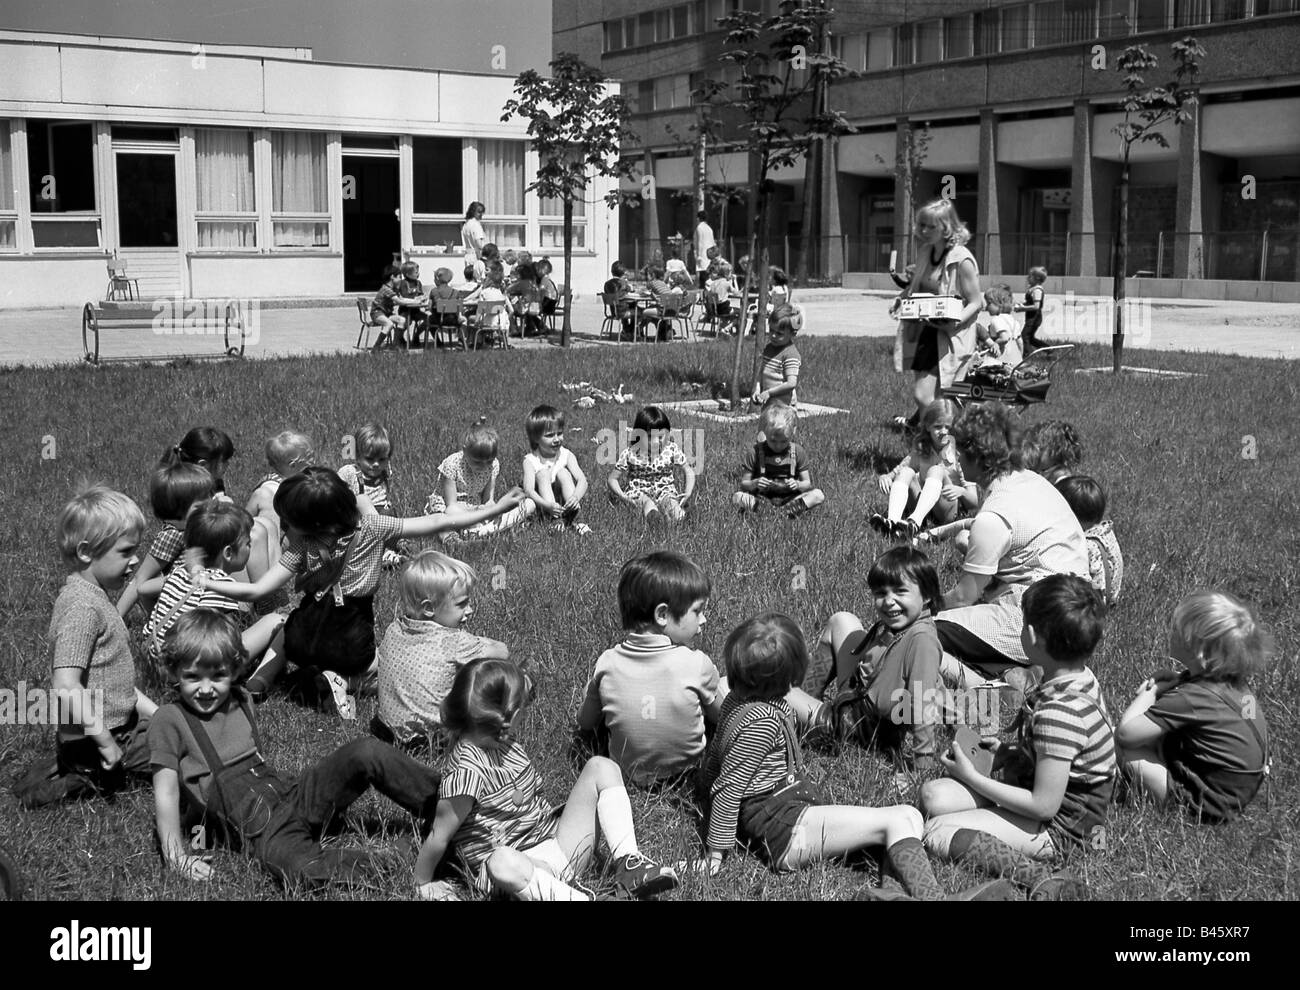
pixel 990 381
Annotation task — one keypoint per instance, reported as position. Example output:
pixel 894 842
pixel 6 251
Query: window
pixel 552 221
pixel 438 201
pixel 1275 6
pixel 1079 25
pixel 645 96
pixel 958 41
pixel 1015 28
pixel 1049 23
pixel 1227 10
pixel 713 9
pixel 613 35
pixel 1151 15
pixel 1112 19
pixel 929 41
pixel 880 48
pixel 663 25
pixel 682 21
pixel 225 204
pixel 645 28
pixel 903 44
pixel 501 190
pixel 853 51
pixel 987 32
pixel 8 208
pixel 299 201
pixel 61 164
pixel 672 92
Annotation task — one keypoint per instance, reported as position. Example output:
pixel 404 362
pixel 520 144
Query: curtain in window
pixel 553 206
pixel 501 177
pixel 298 172
pixel 6 168
pixel 223 161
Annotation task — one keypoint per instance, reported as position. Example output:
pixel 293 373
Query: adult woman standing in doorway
pixel 473 236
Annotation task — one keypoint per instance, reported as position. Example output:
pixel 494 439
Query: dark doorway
pixel 146 200
pixel 371 230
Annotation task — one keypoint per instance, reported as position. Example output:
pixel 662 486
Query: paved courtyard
pixel 1272 330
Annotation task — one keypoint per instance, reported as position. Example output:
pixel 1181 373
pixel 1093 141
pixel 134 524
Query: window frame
pixel 304 216
pixel 252 217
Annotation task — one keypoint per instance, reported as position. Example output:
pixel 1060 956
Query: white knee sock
pixel 898 498
pixel 928 499
pixel 543 886
pixel 614 813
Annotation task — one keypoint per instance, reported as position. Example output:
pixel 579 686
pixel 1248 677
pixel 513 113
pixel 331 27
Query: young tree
pixel 576 126
pixel 1145 110
pixel 779 63
pixel 907 165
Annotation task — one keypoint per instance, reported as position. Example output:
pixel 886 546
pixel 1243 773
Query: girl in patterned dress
pixel 644 477
pixel 510 839
pixel 467 480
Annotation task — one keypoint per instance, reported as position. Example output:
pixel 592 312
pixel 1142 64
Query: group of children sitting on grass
pixel 522 287
pixel 444 745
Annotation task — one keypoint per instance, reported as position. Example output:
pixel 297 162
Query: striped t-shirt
pixel 780 365
pixel 755 761
pixel 508 807
pixel 177 598
pixel 1070 722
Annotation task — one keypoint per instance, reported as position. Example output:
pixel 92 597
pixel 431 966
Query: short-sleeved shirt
pixel 385 301
pixel 364 565
pixel 1070 723
pixel 652 475
pixel 761 461
pixel 1105 561
pixel 87 633
pixel 172 745
pixel 1209 735
pixel 780 365
pixel 653 696
pixel 167 546
pixel 177 598
pixel 410 288
pixel 921 461
pixel 509 809
pixel 755 761
pixel 471 482
pixel 418 660
pixel 376 492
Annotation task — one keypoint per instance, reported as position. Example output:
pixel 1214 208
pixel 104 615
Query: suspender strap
pixel 200 732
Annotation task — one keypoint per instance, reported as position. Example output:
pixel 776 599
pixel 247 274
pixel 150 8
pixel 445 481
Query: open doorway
pixel 371 228
pixel 146 200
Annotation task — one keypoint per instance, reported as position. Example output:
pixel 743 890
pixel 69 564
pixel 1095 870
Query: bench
pixel 166 316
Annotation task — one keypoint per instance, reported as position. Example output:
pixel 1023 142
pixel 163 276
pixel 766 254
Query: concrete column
pixel 1189 251
pixel 987 219
pixel 831 227
pixel 902 193
pixel 650 211
pixel 1083 255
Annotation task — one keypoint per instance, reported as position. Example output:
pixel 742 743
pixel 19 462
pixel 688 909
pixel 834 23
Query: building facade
pixel 220 171
pixel 1009 110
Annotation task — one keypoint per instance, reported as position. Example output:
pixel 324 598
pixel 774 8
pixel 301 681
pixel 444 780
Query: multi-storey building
pixel 1014 106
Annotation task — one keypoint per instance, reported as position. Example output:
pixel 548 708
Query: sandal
pixel 880 524
pixel 905 530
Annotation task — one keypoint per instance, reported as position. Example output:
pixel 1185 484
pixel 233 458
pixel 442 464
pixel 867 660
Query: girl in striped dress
pixel 511 839
pixel 758 788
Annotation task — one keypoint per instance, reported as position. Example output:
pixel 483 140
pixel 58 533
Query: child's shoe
pixel 582 529
pixel 641 877
pixel 334 695
pixel 1060 887
pixel 905 530
pixel 880 524
pixel 797 508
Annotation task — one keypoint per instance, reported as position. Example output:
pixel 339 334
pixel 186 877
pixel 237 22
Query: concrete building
pixel 1011 107
pixel 219 171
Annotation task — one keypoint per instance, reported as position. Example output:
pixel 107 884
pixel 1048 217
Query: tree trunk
pixel 1121 266
pixel 566 326
pixel 755 172
pixel 761 266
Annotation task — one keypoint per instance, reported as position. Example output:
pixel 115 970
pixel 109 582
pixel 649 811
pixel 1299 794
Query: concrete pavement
pixel 1255 329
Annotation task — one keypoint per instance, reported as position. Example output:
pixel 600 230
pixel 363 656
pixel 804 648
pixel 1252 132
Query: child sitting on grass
pixel 1195 736
pixel 287 454
pixel 339 551
pixel 999 337
pixel 173 488
pixel 467 483
pixel 1051 448
pixel 1052 787
pixel 644 477
pixel 553 479
pixel 510 838
pixel 887 676
pixel 758 785
pixel 221 534
pixel 778 376
pixel 368 474
pixel 100 744
pixel 929 479
pixel 1087 500
pixel 424 647
pixel 206 756
pixel 653 693
pixel 775 470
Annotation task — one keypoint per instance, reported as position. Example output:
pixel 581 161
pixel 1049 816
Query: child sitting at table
pixel 618 285
pixel 443 291
pixel 550 292
pixel 491 291
pixel 411 300
pixel 384 312
pixel 526 297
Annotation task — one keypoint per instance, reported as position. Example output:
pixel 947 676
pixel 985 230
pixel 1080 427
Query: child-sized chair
pixel 483 324
pixel 446 321
pixel 367 324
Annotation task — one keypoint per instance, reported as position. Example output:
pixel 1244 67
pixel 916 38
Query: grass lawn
pixel 1189 510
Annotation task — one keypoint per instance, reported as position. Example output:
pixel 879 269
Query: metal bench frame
pixel 94 319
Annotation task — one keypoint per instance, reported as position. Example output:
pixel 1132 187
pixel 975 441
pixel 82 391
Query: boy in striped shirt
pixel 653 693
pixel 779 373
pixel 1049 792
